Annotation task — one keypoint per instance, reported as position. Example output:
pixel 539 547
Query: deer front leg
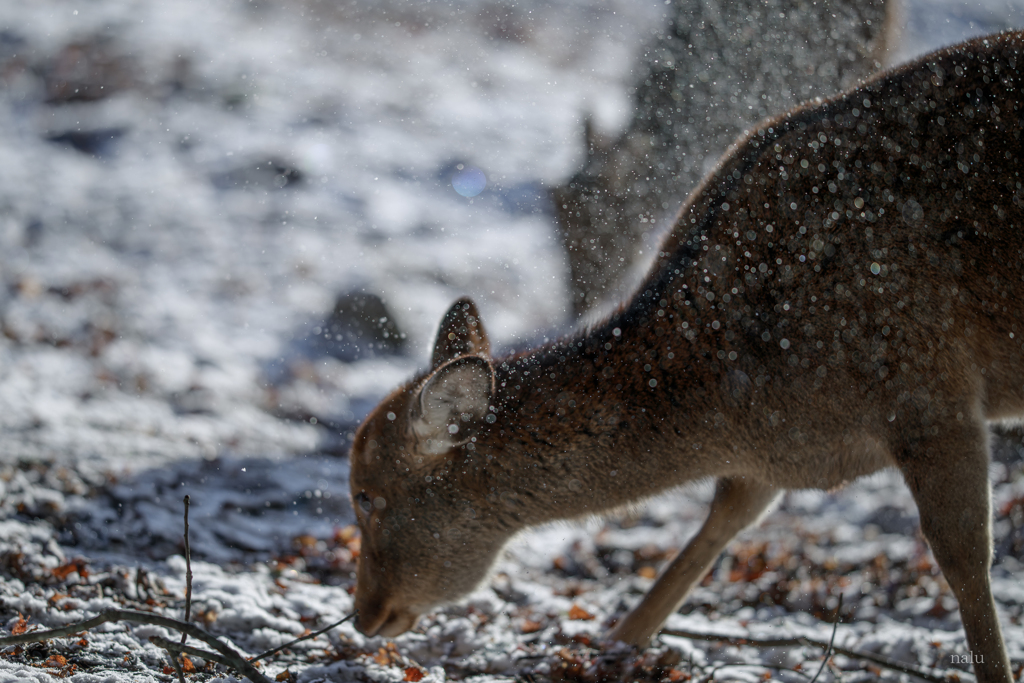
pixel 948 476
pixel 737 503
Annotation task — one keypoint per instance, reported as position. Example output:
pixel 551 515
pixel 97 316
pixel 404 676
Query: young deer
pixel 843 294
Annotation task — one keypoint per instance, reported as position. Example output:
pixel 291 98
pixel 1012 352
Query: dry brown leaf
pixel 77 565
pixel 56 662
pixel 20 627
pixel 647 572
pixel 1007 507
pixel 305 541
pixel 530 626
pixel 62 572
pixel 577 613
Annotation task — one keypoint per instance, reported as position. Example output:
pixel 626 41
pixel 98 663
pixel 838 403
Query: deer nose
pixel 384 621
pixel 371 618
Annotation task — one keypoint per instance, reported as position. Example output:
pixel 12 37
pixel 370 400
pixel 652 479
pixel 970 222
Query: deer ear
pixel 453 403
pixel 462 333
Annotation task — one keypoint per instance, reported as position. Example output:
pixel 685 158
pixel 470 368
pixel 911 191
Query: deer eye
pixel 363 502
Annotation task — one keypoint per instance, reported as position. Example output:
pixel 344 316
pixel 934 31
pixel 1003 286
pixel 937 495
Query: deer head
pixel 417 484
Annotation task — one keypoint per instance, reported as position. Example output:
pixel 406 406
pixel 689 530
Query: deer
pixel 841 295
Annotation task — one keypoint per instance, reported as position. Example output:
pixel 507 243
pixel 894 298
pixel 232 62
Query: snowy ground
pixel 177 222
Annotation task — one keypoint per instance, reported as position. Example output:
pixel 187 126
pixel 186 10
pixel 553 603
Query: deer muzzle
pixel 381 619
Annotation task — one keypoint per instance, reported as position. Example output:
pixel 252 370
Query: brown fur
pixel 843 294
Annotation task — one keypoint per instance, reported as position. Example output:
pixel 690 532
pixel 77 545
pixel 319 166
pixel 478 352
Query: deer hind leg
pixel 737 503
pixel 948 476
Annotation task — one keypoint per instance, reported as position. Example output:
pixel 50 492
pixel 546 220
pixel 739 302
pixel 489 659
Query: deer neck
pixel 594 422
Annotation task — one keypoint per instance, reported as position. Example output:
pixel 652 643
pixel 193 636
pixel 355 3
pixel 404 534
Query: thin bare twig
pixel 172 646
pixel 807 642
pixel 176 665
pixel 831 641
pixel 234 658
pixel 709 676
pixel 188 573
pixel 142 584
pixel 269 653
pixel 188 600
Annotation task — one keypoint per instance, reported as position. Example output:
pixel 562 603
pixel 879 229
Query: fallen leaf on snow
pixel 530 626
pixel 56 661
pixel 577 613
pixel 20 627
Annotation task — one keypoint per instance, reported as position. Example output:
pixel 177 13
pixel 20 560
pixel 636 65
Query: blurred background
pixel 207 210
